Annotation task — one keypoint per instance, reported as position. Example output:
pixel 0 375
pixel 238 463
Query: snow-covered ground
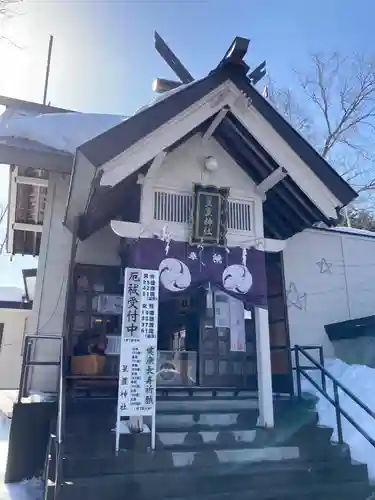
pixel 30 490
pixel 360 380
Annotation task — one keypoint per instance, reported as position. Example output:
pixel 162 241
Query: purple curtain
pixel 186 266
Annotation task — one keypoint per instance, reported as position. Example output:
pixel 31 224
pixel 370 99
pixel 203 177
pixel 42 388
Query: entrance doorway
pixel 178 340
pixel 221 365
pixel 195 342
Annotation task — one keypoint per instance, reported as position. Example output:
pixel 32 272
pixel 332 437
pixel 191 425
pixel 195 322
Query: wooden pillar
pixel 266 414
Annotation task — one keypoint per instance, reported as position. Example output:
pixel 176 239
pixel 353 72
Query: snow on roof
pixel 353 230
pixel 164 95
pixel 65 131
pixel 60 131
pixel 11 294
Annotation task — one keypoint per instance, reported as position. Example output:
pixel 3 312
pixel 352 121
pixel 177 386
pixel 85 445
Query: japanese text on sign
pixel 209 222
pixel 137 376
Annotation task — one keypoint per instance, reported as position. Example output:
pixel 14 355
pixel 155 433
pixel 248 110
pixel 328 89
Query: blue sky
pixel 104 59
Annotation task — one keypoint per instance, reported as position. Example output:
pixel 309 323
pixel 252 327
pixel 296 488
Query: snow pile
pixel 27 490
pixel 61 131
pixel 360 380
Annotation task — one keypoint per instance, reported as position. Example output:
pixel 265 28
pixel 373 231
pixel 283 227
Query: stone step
pixel 132 462
pixel 167 439
pixel 202 392
pixel 202 405
pixel 210 456
pixel 338 491
pixel 210 418
pixel 182 484
pixel 211 453
pixel 171 420
pixel 175 452
pixel 310 438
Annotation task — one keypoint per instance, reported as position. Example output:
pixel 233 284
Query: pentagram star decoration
pixel 325 267
pixel 295 298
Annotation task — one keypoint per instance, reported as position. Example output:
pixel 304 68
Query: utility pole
pixel 48 69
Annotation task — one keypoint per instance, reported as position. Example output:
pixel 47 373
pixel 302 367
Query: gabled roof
pixel 117 140
pixel 321 168
pixel 287 209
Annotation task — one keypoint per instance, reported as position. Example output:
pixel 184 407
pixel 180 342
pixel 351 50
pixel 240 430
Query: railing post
pixel 321 360
pixel 25 369
pixel 298 373
pixel 338 413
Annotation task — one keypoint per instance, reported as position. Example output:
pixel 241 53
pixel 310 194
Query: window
pixel 172 207
pixel 176 207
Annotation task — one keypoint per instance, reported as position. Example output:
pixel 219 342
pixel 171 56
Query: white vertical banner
pixel 222 310
pixel 138 353
pixel 237 325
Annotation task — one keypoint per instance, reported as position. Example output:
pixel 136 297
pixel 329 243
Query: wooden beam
pixel 237 49
pixel 172 60
pixel 32 158
pixel 32 181
pixel 12 195
pixel 25 226
pixel 30 106
pixel 271 181
pixel 215 123
pixel 258 73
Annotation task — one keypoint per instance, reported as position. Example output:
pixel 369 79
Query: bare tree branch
pixel 6 12
pixel 337 114
pixel 6 7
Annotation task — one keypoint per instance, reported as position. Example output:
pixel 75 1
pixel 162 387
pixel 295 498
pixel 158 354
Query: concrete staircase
pixel 208 448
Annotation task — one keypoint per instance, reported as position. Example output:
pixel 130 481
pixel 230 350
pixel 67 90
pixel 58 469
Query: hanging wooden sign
pixel 209 217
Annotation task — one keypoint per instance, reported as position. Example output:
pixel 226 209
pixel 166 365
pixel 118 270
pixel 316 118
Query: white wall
pixel 329 277
pixel 15 325
pixel 51 282
pixel 100 249
pixel 179 170
pixel 185 166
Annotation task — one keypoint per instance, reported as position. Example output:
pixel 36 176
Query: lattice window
pixel 176 207
pixel 239 215
pixel 172 207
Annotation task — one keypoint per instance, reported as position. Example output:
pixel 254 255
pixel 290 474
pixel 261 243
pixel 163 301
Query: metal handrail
pixel 318 348
pixel 61 394
pixel 60 427
pixel 335 401
pixel 56 440
pixel 27 362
